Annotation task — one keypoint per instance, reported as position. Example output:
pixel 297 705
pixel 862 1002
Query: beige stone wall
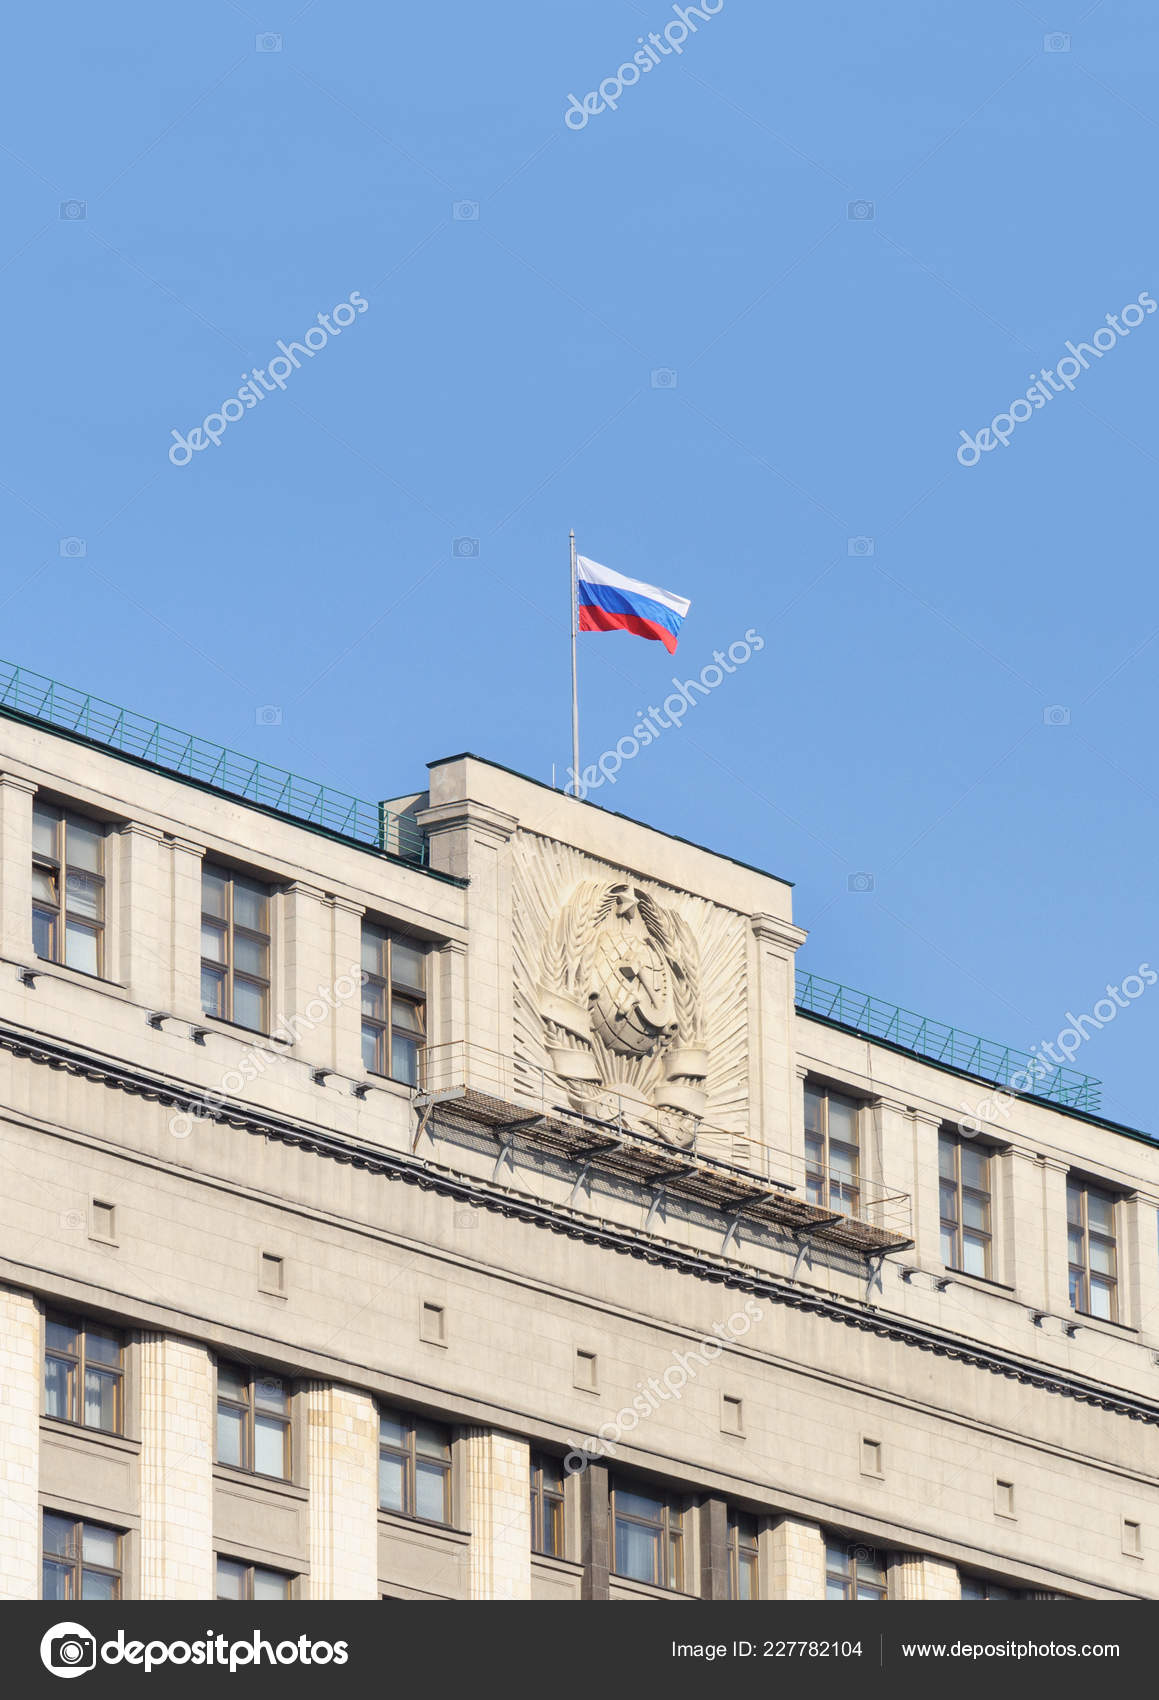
pixel 796 1560
pixel 175 1392
pixel 496 1477
pixel 342 1481
pixel 20 1379
pixel 912 1576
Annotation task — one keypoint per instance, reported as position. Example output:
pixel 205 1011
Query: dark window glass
pixel 83 1374
pixel 832 1155
pixel 238 1581
pixel 547 1506
pixel 68 889
pixel 81 1560
pixel 393 1005
pixel 235 949
pixel 964 1187
pixel 1091 1251
pixel 854 1573
pixel 649 1538
pixel 743 1557
pixel 253 1421
pixel 414 1467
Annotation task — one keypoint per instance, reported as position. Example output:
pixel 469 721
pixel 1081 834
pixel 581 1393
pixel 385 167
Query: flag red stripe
pixel 599 620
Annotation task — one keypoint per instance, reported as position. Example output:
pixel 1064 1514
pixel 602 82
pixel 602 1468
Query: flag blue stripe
pixel 614 601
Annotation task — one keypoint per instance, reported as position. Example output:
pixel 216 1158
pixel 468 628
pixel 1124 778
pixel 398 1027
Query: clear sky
pixel 722 329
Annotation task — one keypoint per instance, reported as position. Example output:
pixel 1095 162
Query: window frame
pixel 1083 1275
pixel 956 1225
pixel 669 1528
pixel 548 1508
pixel 984 1585
pixel 58 869
pixel 381 1030
pixel 224 969
pixel 251 1411
pixel 250 1570
pixel 75 1564
pixel 849 1578
pixel 743 1552
pixel 78 1361
pixel 821 1176
pixel 411 1458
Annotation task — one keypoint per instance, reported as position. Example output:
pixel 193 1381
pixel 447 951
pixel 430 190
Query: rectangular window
pixel 649 1538
pixel 964 1183
pixel 414 1467
pixel 393 1005
pixel 977 1588
pixel 82 1561
pixel 253 1421
pixel 84 1374
pixel 832 1159
pixel 235 949
pixel 238 1581
pixel 854 1573
pixel 68 889
pixel 1090 1223
pixel 546 1505
pixel 742 1557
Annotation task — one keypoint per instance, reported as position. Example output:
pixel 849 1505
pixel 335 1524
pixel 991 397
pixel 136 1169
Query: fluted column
pixel 176 1403
pixel 342 1475
pixel 16 796
pixel 915 1576
pixel 19 1445
pixel 499 1512
pixel 798 1560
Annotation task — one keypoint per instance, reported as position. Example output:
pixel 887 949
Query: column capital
pixel 140 829
pixel 771 929
pixel 189 845
pixel 481 817
pixel 300 888
pixel 345 903
pixel 17 782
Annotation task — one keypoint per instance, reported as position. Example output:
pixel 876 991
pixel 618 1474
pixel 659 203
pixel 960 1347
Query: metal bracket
pixel 875 1262
pixel 660 1195
pixel 424 1103
pixel 26 978
pixel 506 1135
pixel 805 1237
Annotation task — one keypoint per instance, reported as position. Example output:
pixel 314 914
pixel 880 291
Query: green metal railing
pixel 1018 1070
pixel 37 698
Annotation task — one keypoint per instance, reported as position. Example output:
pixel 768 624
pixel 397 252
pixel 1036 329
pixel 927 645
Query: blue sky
pixel 850 233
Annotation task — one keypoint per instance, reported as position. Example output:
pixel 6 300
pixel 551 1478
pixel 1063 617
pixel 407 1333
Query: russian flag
pixel 609 602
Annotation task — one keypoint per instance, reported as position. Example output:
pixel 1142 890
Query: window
pixel 84 1375
pixel 393 1005
pixel 237 1581
pixel 253 1421
pixel 854 1573
pixel 977 1588
pixel 414 1467
pixel 546 1505
pixel 235 949
pixel 831 1155
pixel 68 889
pixel 964 1179
pixel 742 1557
pixel 82 1561
pixel 1090 1221
pixel 649 1538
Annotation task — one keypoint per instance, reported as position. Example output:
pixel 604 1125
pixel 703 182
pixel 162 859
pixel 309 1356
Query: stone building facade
pixel 562 1257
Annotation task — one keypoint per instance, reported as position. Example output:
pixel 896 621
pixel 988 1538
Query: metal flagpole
pixel 575 753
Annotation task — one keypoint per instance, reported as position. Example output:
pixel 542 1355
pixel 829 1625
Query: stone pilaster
pixel 20 1375
pixel 342 1476
pixel 797 1567
pixel 16 796
pixel 1052 1237
pixel 914 1576
pixel 144 919
pixel 347 961
pixel 302 1012
pixel 175 1378
pixel 773 1085
pixel 927 1208
pixel 595 1533
pixel 714 1567
pixel 185 929
pixel 497 1477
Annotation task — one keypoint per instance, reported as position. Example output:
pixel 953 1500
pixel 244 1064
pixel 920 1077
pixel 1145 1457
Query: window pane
pixel 101 1400
pixel 1102 1299
pixel 835 1589
pixel 430 1491
pixel 1074 1204
pixel 407 1016
pixel 404 1059
pixel 81 950
pixel 1100 1214
pixel 251 956
pixel 946 1158
pixel 230 1436
pixel 638 1505
pixel 44 886
pixel 270 1394
pixel 815 1150
pixel 61 1337
pixel 213 992
pixel 974 1255
pixel 269 1446
pixel 392 1483
pixel 975 1211
pixel 843 1120
pixel 44 934
pixel 374 951
pixel 392 1429
pixel 1102 1256
pixel 949 1201
pixel 56 1581
pixel 370 1058
pixel 214 890
pixel 270 1584
pixel 213 942
pixel 837 1560
pixel 746 1578
pixel 975 1168
pixel 59 1535
pixel 100 1546
pixel 637 1551
pixel 249 1005
pixel 102 1348
pixel 230 1579
pixel 44 830
pixel 842 1162
pixel 374 1001
pixel 85 843
pixel 431 1440
pixel 1076 1290
pixel 552 1474
pixel 406 965
pixel 948 1251
pixel 1074 1246
pixel 250 906
pixel 813 1121
pixel 94 1586
pixel 56 1389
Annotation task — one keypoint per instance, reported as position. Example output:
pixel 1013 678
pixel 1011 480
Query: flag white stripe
pixel 593 573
